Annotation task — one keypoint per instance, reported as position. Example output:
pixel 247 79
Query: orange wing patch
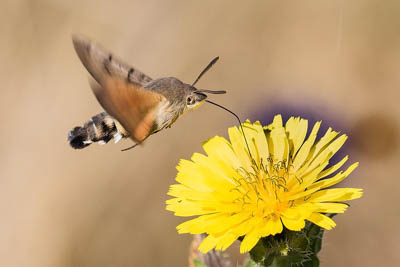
pixel 132 105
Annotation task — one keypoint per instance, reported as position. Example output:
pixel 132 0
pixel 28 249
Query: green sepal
pixel 315 234
pixel 198 263
pixel 312 262
pixel 257 253
pixel 280 262
pixel 300 242
pixel 251 263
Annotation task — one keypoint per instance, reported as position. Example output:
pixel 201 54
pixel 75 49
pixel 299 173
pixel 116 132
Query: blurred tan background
pixel 102 207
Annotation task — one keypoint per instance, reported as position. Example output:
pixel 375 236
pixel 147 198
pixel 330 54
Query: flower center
pixel 262 187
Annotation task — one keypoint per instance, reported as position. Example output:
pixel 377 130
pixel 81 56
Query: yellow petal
pixel 306 147
pixel 293 224
pixel 249 241
pixel 276 226
pixel 323 142
pixel 208 244
pixel 197 225
pixel 226 240
pixel 310 177
pixel 331 207
pixel 296 129
pixel 301 194
pixel 214 174
pixel 261 142
pixel 230 222
pixel 301 135
pixel 250 133
pixel 179 190
pixel 333 168
pixel 280 144
pixel 329 151
pixel 277 122
pixel 190 177
pixel 270 226
pixel 239 147
pixel 186 208
pixel 336 194
pixel 300 210
pixel 245 227
pixel 322 221
pixel 334 180
pixel 265 229
pixel 219 148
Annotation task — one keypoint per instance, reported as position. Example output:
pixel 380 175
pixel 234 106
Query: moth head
pixel 195 99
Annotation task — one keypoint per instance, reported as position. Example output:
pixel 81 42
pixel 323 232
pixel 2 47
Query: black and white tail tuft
pixel 100 128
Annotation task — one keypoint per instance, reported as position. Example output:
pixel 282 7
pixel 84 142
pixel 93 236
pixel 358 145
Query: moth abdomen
pixel 100 128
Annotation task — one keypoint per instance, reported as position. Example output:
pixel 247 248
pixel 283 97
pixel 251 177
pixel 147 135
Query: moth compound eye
pixel 190 100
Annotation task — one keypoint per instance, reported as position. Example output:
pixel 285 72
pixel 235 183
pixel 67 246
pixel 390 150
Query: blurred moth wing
pixel 100 62
pixel 132 105
pixel 119 89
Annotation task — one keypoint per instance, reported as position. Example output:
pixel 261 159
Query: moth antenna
pixel 206 69
pixel 129 148
pixel 240 123
pixel 219 92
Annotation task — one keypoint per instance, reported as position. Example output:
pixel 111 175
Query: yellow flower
pixel 280 184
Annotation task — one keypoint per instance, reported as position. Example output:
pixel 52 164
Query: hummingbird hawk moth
pixel 136 106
